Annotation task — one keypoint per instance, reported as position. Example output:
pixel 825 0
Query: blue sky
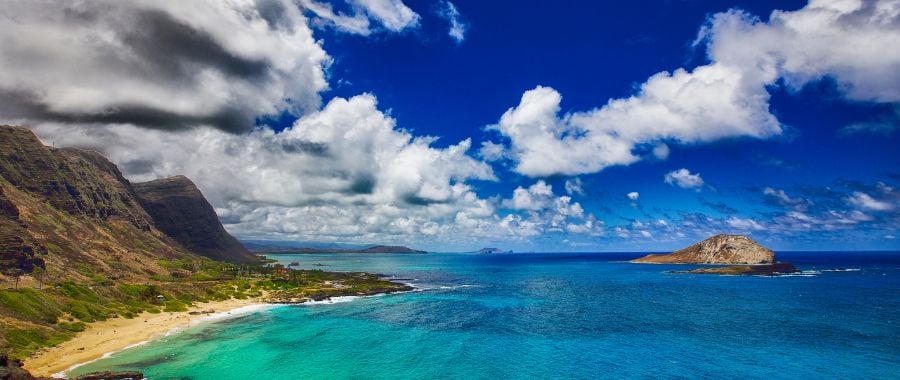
pixel 642 125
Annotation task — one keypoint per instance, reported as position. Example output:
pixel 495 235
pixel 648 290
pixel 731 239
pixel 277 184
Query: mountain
pixel 180 210
pixel 72 212
pixel 372 249
pixel 719 249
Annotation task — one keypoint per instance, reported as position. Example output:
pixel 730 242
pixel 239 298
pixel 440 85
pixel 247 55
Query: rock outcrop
pixel 747 270
pixel 719 249
pixel 180 210
pixel 112 375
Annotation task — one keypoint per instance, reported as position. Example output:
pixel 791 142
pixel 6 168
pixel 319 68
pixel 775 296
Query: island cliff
pixel 719 249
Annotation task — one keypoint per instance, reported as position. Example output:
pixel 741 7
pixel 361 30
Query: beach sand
pixel 116 334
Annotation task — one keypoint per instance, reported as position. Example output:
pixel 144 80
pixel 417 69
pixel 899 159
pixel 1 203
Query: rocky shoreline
pixel 292 299
pixel 746 270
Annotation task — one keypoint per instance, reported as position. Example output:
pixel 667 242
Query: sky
pixel 452 126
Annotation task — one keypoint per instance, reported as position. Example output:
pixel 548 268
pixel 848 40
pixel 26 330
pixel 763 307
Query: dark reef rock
pixel 12 370
pixel 111 375
pixel 747 270
pixel 180 210
pixel 719 249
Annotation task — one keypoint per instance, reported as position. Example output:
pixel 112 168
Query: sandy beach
pixel 116 334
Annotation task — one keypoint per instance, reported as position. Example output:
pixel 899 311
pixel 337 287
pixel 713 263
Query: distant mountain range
pixel 284 247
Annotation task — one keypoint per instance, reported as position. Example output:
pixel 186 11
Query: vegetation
pixel 34 319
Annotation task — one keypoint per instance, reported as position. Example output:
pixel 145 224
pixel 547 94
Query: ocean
pixel 556 315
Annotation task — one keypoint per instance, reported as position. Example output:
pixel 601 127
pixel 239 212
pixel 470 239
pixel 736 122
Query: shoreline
pixel 104 338
pixel 95 342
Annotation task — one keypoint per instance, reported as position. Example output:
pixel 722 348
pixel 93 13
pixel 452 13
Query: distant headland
pixel 305 250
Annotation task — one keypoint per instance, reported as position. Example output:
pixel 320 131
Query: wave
pixel 842 270
pixel 233 313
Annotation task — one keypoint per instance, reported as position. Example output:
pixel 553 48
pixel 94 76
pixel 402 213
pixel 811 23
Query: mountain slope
pixel 180 210
pixel 72 211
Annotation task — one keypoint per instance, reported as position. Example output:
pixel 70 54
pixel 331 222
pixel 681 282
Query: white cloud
pixel 661 151
pixel 744 224
pixel 851 41
pixel 634 195
pixel 355 24
pixel 160 64
pixel 786 200
pixel 574 186
pixel 548 213
pixel 457 27
pixel 349 152
pixel 865 201
pixel 344 173
pixel 684 179
pixel 393 15
pixel 491 151
pixel 710 103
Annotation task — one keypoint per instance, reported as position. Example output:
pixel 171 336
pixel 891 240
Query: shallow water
pixel 557 316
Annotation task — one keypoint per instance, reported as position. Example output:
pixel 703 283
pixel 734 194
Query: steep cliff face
pixel 180 210
pixel 78 182
pixel 72 211
pixel 719 249
pixel 17 248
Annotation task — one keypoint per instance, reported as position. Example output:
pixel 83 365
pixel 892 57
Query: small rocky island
pixel 742 255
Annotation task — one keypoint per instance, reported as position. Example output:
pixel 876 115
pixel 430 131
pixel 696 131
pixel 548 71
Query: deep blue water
pixel 558 316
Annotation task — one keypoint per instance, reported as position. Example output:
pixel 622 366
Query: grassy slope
pixel 31 319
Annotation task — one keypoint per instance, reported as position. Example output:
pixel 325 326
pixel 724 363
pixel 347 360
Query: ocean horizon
pixel 553 315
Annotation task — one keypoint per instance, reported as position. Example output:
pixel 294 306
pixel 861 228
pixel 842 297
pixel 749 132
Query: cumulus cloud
pixel 850 41
pixel 550 213
pixel 158 64
pixel 348 152
pixel 391 15
pixel 457 27
pixel 634 195
pixel 684 179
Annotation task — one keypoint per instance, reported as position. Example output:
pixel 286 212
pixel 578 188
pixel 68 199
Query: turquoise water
pixel 557 316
